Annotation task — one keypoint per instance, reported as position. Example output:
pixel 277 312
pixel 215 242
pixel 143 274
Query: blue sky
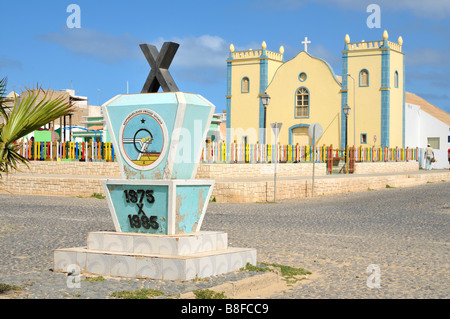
pixel 100 57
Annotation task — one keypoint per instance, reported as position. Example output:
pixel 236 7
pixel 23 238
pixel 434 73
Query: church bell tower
pixel 373 86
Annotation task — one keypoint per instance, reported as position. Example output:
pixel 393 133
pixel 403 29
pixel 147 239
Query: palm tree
pixel 27 115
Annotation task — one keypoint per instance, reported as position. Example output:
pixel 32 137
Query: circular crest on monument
pixel 143 139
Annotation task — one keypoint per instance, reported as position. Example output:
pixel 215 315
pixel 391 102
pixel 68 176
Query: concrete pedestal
pixel 165 257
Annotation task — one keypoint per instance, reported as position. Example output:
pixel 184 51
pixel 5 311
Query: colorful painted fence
pixel 265 153
pixel 217 152
pixel 75 151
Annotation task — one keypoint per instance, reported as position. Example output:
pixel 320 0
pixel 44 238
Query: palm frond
pixel 30 114
pixel 2 99
pixel 11 160
pixel 27 115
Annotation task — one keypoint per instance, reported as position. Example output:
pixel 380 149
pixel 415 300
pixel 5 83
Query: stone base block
pixel 177 245
pixel 181 257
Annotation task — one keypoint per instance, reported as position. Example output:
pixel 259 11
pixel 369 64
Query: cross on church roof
pixel 306 43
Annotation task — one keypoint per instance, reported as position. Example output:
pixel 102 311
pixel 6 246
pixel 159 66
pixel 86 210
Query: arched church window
pixel 245 85
pixel 364 78
pixel 396 79
pixel 302 107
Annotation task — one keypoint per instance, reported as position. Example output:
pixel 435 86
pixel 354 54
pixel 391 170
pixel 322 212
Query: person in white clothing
pixel 429 154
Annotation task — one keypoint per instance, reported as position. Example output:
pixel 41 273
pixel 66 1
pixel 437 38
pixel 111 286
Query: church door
pixel 300 136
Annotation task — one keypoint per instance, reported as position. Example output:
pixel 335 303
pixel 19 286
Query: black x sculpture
pixel 159 62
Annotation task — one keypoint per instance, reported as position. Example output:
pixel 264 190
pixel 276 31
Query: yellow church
pixel 305 90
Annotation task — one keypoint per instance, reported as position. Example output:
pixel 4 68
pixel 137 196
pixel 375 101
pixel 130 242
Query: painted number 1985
pixel 141 219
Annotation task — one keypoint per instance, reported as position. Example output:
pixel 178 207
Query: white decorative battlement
pixel 252 54
pixel 363 45
pixel 373 45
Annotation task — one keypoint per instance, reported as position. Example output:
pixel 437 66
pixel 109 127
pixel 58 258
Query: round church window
pixel 302 77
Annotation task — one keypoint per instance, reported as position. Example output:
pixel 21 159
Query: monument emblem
pixel 143 139
pixel 158 206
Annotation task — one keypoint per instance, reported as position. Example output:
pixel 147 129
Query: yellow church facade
pixel 305 90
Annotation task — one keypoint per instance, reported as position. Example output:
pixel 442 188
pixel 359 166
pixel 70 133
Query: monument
pixel 158 206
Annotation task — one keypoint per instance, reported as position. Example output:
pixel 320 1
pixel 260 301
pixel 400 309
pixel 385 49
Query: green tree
pixel 25 116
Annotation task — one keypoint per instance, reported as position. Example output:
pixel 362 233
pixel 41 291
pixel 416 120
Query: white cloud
pixel 279 4
pixel 205 51
pixel 429 9
pixel 199 59
pixel 433 96
pixel 104 46
pixel 436 79
pixel 427 57
pixel 6 62
pixel 331 57
pixel 433 9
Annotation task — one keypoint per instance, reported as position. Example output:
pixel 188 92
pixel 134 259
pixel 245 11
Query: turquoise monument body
pixel 159 138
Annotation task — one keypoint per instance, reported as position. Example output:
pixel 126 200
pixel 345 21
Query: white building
pixel 427 124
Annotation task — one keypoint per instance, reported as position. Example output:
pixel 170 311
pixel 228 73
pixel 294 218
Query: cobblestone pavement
pixel 403 231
